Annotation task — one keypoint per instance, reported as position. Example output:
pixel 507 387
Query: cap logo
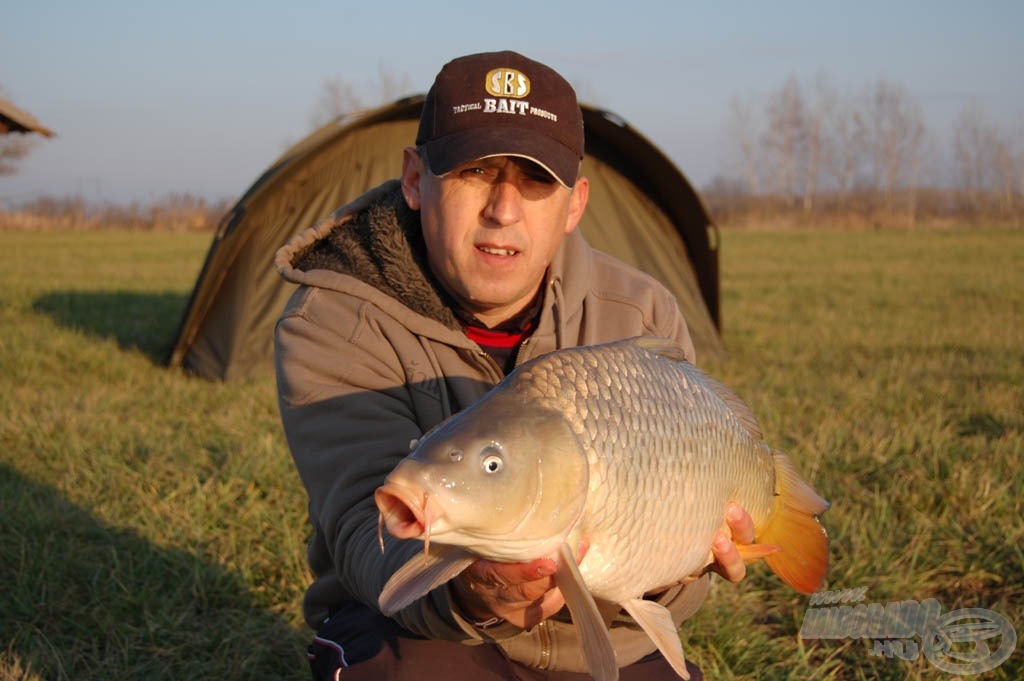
pixel 507 83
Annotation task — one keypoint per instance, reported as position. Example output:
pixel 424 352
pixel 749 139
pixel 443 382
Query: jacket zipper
pixel 518 350
pixel 544 661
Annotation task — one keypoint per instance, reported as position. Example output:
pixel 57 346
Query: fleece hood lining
pixel 382 246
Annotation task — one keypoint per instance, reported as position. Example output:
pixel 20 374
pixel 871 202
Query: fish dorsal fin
pixel 736 405
pixel 673 351
pixel 422 573
pixel 663 347
pixel 595 640
pixel 656 620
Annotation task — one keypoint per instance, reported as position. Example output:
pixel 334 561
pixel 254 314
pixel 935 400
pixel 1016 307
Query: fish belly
pixel 651 530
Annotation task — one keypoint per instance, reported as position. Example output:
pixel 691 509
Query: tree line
pixel 798 153
pixel 810 149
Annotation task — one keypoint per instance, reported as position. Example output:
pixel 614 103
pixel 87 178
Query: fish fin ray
pixel 656 620
pixel 664 347
pixel 751 553
pixel 421 574
pixel 794 527
pixel 595 639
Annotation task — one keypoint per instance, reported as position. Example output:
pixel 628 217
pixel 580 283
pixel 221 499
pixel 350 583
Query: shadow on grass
pixel 142 321
pixel 82 600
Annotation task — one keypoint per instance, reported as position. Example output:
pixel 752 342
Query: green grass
pixel 151 526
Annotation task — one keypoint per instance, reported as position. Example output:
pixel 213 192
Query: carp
pixel 623 445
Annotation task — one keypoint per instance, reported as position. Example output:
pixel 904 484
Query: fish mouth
pixel 405 514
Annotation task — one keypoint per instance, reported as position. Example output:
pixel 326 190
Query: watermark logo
pixel 965 641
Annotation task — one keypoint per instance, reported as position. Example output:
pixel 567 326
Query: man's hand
pixel 523 594
pixel 728 562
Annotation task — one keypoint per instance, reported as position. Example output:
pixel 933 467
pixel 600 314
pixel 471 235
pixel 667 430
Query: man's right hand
pixel 523 594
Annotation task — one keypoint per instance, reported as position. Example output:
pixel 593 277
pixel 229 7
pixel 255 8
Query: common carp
pixel 625 446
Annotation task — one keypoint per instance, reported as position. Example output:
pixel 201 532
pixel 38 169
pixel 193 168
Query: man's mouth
pixel 494 250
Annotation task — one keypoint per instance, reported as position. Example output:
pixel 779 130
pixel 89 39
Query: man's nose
pixel 504 205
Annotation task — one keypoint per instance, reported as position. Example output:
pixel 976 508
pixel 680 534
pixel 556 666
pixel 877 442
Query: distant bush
pixel 174 213
pixel 924 208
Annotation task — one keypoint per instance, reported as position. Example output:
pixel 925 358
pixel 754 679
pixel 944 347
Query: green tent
pixel 641 209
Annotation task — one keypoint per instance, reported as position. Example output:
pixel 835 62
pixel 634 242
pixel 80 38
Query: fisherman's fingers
pixel 727 560
pixel 740 523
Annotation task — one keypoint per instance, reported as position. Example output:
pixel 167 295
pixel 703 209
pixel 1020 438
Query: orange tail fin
pixel 793 526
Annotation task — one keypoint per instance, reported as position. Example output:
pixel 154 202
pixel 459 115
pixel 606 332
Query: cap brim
pixel 446 153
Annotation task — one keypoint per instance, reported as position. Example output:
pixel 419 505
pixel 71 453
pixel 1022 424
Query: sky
pixel 151 99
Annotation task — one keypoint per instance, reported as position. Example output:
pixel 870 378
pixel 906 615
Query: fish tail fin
pixel 793 526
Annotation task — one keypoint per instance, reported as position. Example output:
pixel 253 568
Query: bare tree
pixel 785 139
pixel 848 133
pixel 987 165
pixel 820 143
pixel 1007 169
pixel 743 131
pixel 893 127
pixel 337 98
pixel 13 148
pixel 341 97
pixel 971 149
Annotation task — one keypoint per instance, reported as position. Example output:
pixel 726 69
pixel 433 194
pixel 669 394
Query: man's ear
pixel 577 203
pixel 412 171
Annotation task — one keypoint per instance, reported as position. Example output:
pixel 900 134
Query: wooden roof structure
pixel 13 119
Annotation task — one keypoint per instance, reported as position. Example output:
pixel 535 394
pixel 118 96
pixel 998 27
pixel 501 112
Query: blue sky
pixel 153 98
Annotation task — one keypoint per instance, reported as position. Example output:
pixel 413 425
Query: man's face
pixel 491 227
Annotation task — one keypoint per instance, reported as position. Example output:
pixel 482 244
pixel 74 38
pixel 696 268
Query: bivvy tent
pixel 641 210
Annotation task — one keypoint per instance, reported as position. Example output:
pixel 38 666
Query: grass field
pixel 151 526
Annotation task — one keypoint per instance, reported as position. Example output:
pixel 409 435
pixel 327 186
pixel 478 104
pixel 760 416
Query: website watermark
pixel 965 641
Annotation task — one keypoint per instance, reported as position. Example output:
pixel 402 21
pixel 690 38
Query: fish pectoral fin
pixel 421 574
pixel 656 620
pixel 595 640
pixel 751 553
pixel 793 525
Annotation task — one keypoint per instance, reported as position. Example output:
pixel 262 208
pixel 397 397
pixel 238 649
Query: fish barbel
pixel 625 446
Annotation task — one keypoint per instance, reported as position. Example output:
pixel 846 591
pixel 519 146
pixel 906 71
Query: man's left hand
pixel 728 562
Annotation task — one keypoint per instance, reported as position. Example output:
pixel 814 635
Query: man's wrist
pixel 467 602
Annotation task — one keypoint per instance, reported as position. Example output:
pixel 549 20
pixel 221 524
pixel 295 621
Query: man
pixel 414 300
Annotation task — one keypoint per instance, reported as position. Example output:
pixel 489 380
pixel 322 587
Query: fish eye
pixel 492 461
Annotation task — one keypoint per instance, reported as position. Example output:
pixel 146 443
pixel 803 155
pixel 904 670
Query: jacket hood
pixel 377 241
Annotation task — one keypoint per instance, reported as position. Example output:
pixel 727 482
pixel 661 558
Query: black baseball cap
pixel 502 104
